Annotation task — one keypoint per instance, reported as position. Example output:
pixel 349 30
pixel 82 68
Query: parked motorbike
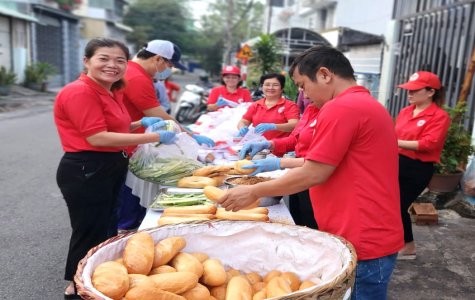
pixel 191 104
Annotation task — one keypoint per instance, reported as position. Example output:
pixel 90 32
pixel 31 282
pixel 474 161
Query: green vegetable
pixel 167 200
pixel 165 171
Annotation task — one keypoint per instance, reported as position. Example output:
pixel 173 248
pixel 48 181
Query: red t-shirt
pixel 139 93
pixel 84 108
pixel 301 137
pixel 429 128
pixel 240 95
pixel 360 200
pixel 171 86
pixel 280 113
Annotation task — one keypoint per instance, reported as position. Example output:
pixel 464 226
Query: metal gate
pixel 436 36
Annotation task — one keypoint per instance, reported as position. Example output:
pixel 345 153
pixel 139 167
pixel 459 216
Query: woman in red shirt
pixel 299 141
pixel 421 129
pixel 94 128
pixel 272 116
pixel 230 93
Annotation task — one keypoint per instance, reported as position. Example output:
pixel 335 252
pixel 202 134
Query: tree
pixel 230 23
pixel 159 19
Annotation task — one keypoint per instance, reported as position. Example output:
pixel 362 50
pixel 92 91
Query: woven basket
pixel 277 246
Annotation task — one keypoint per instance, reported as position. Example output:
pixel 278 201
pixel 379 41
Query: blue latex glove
pixel 263 127
pixel 253 148
pixel 157 126
pixel 264 165
pixel 223 102
pixel 201 139
pixel 149 121
pixel 243 131
pixel 166 137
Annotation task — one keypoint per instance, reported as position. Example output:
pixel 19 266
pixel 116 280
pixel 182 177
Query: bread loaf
pixel 176 282
pixel 239 288
pixel 196 182
pixel 199 292
pixel 260 295
pixel 135 279
pixel 241 163
pixel 185 262
pixel 219 292
pixel 210 170
pixel 139 253
pixel 213 193
pixel 292 279
pixel 148 290
pixel 111 279
pixel 200 256
pixel 162 269
pixel 271 275
pixel 193 209
pixel 185 215
pixel 256 287
pixel 278 286
pixel 253 277
pixel 306 284
pixel 213 273
pixel 223 214
pixel 166 249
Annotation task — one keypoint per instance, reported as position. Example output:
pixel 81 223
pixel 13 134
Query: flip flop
pixel 410 256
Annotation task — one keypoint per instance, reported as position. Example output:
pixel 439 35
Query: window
pixel 277 3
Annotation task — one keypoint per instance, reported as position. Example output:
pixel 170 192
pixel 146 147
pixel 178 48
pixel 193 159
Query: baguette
pixel 194 209
pixel 214 194
pixel 241 163
pixel 278 286
pixel 208 170
pixel 176 282
pixel 111 279
pixel 256 210
pixel 185 215
pixel 223 214
pixel 238 289
pixel 195 182
pixel 166 249
pixel 167 220
pixel 139 253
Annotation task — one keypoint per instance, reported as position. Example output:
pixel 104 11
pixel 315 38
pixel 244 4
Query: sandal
pixel 72 296
pixel 409 256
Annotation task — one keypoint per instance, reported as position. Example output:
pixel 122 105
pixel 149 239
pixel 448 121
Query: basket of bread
pixel 219 260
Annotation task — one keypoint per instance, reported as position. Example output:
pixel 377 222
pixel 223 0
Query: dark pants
pixel 131 213
pixel 414 176
pixel 300 208
pixel 90 183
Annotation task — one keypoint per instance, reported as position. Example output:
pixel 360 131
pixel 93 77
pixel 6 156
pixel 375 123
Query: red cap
pixel 231 70
pixel 420 80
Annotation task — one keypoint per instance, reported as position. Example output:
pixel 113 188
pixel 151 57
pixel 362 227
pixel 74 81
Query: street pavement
pixel 35 226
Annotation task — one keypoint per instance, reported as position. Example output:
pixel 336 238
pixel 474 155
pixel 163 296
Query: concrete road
pixel 34 227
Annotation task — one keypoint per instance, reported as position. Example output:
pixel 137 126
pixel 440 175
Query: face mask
pixel 164 74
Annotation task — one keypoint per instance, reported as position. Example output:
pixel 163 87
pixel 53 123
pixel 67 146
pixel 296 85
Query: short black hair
pixel 144 54
pixel 312 59
pixel 279 77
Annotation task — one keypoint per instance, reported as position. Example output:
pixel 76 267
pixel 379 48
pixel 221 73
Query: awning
pixel 123 27
pixel 13 13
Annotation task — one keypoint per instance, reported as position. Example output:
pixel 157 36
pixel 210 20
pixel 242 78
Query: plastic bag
pixel 468 179
pixel 166 164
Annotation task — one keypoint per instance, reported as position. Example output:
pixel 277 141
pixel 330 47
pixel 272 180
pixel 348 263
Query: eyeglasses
pixel 267 85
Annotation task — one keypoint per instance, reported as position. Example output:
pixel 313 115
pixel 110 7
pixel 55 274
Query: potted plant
pixel 7 78
pixel 457 148
pixel 36 75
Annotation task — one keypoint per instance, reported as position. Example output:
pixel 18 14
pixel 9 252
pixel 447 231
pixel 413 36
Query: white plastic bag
pixel 468 179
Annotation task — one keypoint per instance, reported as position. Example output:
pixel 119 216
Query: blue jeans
pixel 372 278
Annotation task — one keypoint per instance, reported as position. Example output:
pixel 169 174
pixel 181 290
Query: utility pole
pixel 228 43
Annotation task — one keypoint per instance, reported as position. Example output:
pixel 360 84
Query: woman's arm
pixel 409 145
pixel 135 125
pixel 243 123
pixel 115 139
pixel 287 127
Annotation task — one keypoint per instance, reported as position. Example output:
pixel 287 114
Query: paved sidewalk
pixel 21 97
pixel 445 263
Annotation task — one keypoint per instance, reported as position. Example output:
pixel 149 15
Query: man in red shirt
pixel 351 168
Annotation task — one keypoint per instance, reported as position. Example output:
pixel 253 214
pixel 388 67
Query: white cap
pixel 160 47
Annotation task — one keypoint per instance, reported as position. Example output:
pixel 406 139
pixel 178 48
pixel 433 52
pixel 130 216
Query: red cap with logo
pixel 231 70
pixel 420 80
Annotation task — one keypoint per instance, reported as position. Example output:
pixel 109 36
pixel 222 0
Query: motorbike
pixel 191 104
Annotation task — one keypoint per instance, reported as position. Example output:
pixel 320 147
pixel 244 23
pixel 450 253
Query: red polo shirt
pixel 240 95
pixel 302 135
pixel 84 108
pixel 282 112
pixel 139 93
pixel 360 200
pixel 429 128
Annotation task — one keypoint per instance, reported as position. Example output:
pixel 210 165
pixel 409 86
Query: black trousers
pixel 301 209
pixel 414 176
pixel 90 183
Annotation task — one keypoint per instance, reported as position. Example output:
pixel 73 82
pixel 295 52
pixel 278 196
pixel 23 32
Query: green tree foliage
pixel 265 59
pixel 245 23
pixel 159 19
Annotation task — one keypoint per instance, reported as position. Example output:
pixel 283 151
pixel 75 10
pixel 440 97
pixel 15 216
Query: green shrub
pixel 38 72
pixel 7 77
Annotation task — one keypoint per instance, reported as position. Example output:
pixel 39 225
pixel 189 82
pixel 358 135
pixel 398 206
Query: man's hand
pixel 238 198
pixel 253 148
pixel 263 127
pixel 149 121
pixel 201 139
pixel 263 165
